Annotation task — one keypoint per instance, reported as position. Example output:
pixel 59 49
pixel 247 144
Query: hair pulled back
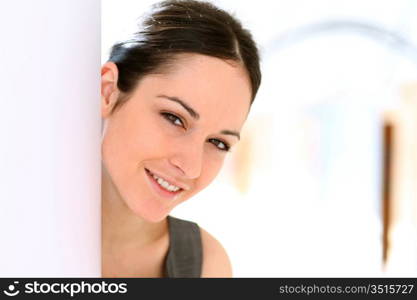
pixel 183 26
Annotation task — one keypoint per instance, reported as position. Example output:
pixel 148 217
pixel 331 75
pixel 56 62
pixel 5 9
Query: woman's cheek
pixel 152 142
pixel 212 168
pixel 108 150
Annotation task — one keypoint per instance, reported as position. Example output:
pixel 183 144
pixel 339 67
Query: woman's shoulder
pixel 216 262
pixel 203 248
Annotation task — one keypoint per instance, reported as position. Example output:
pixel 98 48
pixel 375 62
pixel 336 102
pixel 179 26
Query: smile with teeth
pixel 165 184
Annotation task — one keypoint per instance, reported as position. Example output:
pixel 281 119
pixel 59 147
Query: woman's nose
pixel 189 159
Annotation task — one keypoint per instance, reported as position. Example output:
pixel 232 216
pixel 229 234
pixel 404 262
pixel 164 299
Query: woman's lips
pixel 159 189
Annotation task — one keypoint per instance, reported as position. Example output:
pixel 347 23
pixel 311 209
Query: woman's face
pixel 169 140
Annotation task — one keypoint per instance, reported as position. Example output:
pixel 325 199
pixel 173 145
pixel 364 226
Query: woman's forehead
pixel 206 79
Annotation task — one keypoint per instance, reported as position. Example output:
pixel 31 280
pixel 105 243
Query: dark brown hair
pixel 183 26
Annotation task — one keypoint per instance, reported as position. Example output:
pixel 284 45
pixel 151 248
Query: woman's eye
pixel 173 119
pixel 220 145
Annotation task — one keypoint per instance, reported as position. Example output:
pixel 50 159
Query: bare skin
pixel 181 148
pixel 123 255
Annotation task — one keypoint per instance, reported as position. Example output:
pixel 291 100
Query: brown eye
pixel 173 119
pixel 222 146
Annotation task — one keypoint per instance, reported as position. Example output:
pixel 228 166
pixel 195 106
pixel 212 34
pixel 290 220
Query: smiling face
pixel 169 140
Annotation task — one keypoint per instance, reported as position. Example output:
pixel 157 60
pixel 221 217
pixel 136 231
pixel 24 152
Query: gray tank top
pixel 184 258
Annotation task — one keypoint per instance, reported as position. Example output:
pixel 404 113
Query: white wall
pixel 49 138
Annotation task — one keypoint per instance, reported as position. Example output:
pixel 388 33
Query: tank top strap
pixel 184 258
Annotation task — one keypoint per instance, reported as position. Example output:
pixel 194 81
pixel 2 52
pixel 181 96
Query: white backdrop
pixel 50 138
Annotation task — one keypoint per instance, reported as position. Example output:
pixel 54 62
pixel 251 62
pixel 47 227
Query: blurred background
pixel 324 180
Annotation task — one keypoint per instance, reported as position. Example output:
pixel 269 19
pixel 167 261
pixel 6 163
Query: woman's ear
pixel 109 90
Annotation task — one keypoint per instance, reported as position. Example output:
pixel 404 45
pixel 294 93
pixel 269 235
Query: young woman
pixel 174 100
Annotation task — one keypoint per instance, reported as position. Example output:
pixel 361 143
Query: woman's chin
pixel 151 213
pixel 155 218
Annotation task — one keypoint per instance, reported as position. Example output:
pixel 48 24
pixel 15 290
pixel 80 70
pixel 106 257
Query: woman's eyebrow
pixel 195 114
pixel 191 111
pixel 231 132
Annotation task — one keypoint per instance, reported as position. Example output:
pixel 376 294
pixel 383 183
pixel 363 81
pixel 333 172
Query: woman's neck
pixel 121 228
